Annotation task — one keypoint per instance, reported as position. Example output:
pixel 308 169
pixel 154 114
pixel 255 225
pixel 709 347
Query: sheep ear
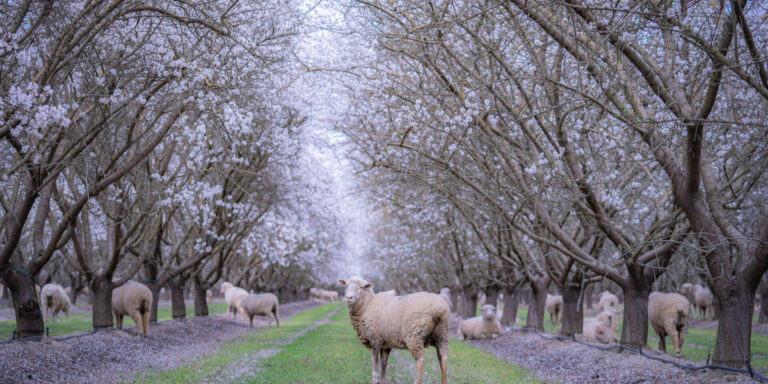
pixel 343 283
pixel 369 285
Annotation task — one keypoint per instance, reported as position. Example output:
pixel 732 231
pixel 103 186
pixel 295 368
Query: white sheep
pixel 135 300
pixel 702 300
pixel 323 295
pixel 264 304
pixel 390 292
pixel 554 306
pixel 608 301
pixel 602 328
pixel 411 322
pixel 445 293
pixel 54 299
pixel 668 315
pixel 687 290
pixel 233 296
pixel 485 326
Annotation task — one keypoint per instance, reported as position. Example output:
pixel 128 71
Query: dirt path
pixel 113 355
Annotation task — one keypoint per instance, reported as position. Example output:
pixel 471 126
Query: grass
pixel 698 342
pixel 332 353
pixel 65 325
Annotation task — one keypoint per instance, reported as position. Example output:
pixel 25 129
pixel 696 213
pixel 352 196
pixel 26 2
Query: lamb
pixel 668 315
pixel 261 304
pixel 384 322
pixel 554 305
pixel 485 326
pixel 54 299
pixel 602 328
pixel 135 300
pixel 608 301
pixel 445 293
pixel 702 300
pixel 233 296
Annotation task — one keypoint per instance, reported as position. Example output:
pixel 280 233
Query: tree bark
pixel 588 292
pixel 29 319
pixel 734 331
pixel 634 332
pixel 201 302
pixel 178 307
pixel 492 295
pixel 155 289
pixel 573 311
pixel 762 316
pixel 455 294
pixel 509 317
pixel 469 302
pixel 537 306
pixel 101 289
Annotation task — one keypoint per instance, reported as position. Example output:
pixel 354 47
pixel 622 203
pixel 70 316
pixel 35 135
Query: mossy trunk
pixel 734 328
pixel 573 311
pixel 509 317
pixel 101 290
pixel 201 301
pixel 634 332
pixel 178 307
pixel 29 319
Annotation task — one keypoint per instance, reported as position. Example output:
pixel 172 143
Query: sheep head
pixel 489 312
pixel 355 289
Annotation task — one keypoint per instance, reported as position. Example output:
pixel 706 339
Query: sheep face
pixel 354 288
pixel 489 312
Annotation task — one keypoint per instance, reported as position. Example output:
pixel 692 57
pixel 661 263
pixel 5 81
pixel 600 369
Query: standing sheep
pixel 485 326
pixel 54 299
pixel 261 304
pixel 608 301
pixel 233 296
pixel 702 300
pixel 445 293
pixel 668 315
pixel 412 322
pixel 554 305
pixel 135 300
pixel 390 292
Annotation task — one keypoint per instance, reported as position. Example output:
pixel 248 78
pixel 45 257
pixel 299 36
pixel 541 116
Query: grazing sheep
pixel 554 305
pixel 485 326
pixel 135 300
pixel 384 322
pixel 54 299
pixel 445 293
pixel 668 315
pixel 233 296
pixel 323 295
pixel 608 301
pixel 261 304
pixel 702 300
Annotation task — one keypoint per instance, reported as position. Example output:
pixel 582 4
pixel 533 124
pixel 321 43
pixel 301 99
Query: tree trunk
pixel 573 311
pixel 536 307
pixel 455 294
pixel 492 295
pixel 734 329
pixel 762 316
pixel 201 302
pixel 634 332
pixel 178 307
pixel 101 290
pixel 588 291
pixel 509 317
pixel 469 303
pixel 155 289
pixel 29 319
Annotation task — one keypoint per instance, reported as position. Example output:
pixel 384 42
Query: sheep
pixel 687 290
pixel 554 305
pixel 445 293
pixel 608 301
pixel 54 299
pixel 602 328
pixel 384 322
pixel 390 292
pixel 261 304
pixel 135 300
pixel 702 300
pixel 323 295
pixel 485 326
pixel 233 296
pixel 668 315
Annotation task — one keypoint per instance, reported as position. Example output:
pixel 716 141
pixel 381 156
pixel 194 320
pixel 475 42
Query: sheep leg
pixel 145 317
pixel 662 342
pixel 250 321
pixel 442 357
pixel 137 319
pixel 419 373
pixel 384 358
pixel 118 320
pixel 676 341
pixel 277 317
pixel 375 357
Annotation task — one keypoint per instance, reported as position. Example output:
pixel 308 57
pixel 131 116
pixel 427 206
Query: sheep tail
pixel 144 306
